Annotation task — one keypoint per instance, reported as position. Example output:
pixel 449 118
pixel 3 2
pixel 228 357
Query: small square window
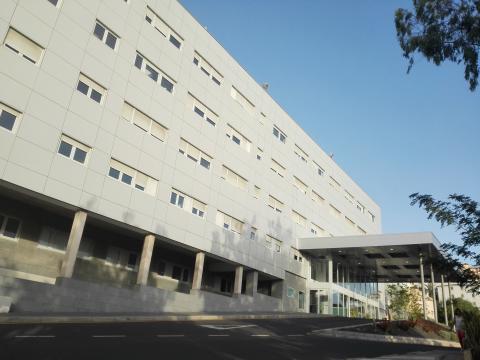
pixel 175 42
pixel 127 179
pixel 99 31
pixel 111 41
pixel 138 61
pixel 205 163
pixel 198 111
pixel 167 85
pixel 65 149
pixel 180 201
pixel 95 95
pixel 82 87
pixel 195 61
pixel 114 173
pixel 80 155
pixel 11 228
pixel 151 73
pixel 173 198
pixel 7 120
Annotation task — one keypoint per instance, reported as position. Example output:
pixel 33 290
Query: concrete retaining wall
pixel 71 295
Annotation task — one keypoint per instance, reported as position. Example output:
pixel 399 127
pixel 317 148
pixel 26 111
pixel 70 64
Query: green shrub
pixel 471 320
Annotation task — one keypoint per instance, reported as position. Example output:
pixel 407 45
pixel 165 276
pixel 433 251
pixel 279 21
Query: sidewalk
pixel 81 318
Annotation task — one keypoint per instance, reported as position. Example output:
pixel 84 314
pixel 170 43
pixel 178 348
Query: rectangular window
pixel 90 88
pixel 349 197
pixel 275 204
pixel 154 73
pixel 163 28
pixel 317 198
pixel 233 178
pixel 195 154
pixel 277 168
pixel 299 219
pixel 268 241
pixel 257 192
pixel 187 203
pixel 262 118
pixel 253 233
pixel 318 169
pixel 360 207
pixel 73 149
pixel 105 35
pixel 316 230
pixel 203 111
pixel 54 2
pixel 238 138
pixel 9 226
pixel 275 243
pixel 53 238
pixel 334 183
pixel 302 155
pixel 300 185
pixel 350 222
pixel 143 121
pixel 23 46
pixel 242 99
pixel 207 69
pixel 119 257
pixel 279 134
pixel 296 255
pixel 9 118
pixel 259 154
pixel 334 211
pixel 229 222
pixel 132 177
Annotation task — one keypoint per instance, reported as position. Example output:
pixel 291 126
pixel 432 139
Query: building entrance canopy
pixel 391 257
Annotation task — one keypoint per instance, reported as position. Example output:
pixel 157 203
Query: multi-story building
pixel 142 168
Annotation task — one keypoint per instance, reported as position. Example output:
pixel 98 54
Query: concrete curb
pixel 86 319
pixel 385 338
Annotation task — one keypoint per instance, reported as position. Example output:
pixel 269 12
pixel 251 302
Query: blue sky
pixel 337 69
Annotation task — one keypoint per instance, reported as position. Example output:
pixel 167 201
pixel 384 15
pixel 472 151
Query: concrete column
pixel 74 239
pixel 237 286
pixel 330 271
pixel 444 300
pixel 432 280
pixel 318 301
pixel 198 272
pixel 422 279
pixel 251 283
pixel 145 260
pixel 451 301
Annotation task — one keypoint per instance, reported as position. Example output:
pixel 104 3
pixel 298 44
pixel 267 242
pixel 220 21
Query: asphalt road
pixel 235 340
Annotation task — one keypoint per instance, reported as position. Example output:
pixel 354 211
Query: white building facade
pixel 136 153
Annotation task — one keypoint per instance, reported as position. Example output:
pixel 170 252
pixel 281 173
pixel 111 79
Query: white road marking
pixel 35 336
pixel 109 336
pixel 260 335
pixel 218 335
pixel 226 327
pixel 170 335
